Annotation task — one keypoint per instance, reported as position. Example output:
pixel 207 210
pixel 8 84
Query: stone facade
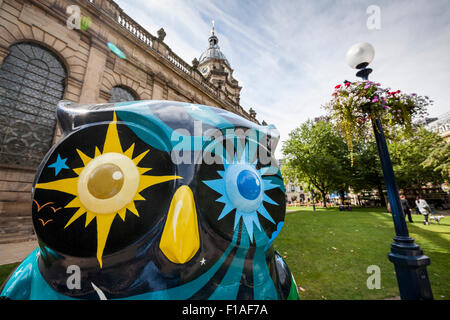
pixel 295 191
pixel 441 126
pixel 151 70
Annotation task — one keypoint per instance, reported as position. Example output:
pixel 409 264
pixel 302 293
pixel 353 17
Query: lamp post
pixel 407 257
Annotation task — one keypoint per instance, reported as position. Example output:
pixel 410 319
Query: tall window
pixel 120 94
pixel 32 81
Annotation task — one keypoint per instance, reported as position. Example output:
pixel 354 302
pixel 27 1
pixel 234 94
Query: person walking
pixel 406 208
pixel 424 208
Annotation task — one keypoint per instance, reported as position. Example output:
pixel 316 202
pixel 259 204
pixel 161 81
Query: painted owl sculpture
pixel 156 200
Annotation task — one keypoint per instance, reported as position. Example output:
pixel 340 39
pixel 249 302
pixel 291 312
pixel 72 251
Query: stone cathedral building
pixel 45 59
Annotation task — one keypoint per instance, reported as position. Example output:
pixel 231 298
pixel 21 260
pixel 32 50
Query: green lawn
pixel 5 270
pixel 329 251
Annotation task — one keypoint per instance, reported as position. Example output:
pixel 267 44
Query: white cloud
pixel 288 55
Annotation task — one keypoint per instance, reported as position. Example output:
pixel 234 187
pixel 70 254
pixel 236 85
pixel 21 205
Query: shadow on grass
pixel 434 241
pixel 329 251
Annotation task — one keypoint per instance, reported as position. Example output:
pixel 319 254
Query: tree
pixel 367 174
pixel 355 105
pixel 317 155
pixel 439 160
pixel 410 153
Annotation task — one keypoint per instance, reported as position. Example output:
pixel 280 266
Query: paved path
pixel 16 252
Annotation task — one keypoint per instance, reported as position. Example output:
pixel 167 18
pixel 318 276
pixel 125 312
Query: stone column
pixel 90 92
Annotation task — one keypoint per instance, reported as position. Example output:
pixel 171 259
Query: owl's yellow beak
pixel 180 239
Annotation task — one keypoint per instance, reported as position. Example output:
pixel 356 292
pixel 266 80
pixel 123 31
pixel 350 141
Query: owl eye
pixel 108 183
pixel 250 199
pixel 105 181
pixel 104 173
pixel 244 187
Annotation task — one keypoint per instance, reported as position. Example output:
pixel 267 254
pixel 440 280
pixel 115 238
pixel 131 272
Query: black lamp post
pixel 409 261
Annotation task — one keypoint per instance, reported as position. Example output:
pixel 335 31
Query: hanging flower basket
pixel 354 104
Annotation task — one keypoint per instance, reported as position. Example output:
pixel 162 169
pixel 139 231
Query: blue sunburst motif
pixel 243 188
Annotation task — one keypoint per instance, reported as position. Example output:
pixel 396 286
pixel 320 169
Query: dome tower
pixel 216 69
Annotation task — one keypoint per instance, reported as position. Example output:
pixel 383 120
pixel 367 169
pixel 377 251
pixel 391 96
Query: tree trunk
pixel 324 196
pixel 342 194
pixel 381 193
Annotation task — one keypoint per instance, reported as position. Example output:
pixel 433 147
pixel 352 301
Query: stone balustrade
pixel 157 45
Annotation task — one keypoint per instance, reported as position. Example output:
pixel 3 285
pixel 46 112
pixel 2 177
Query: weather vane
pixel 212 28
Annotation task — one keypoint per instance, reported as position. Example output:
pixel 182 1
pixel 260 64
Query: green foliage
pixel 410 152
pixel 317 154
pixel 439 160
pixel 355 104
pixel 289 173
pixel 367 174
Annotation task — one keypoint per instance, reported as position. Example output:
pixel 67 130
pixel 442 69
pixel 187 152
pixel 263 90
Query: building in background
pixel 295 193
pixel 45 56
pixel 441 125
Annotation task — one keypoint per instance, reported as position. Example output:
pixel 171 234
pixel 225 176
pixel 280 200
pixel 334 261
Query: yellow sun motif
pixel 107 185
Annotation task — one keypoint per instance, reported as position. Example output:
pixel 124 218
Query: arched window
pixel 32 81
pixel 120 94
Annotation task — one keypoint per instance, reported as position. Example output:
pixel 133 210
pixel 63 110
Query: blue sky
pixel 289 55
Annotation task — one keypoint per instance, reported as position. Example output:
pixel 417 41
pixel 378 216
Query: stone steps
pixel 24 228
pixel 16 229
pixel 14 220
pixel 16 237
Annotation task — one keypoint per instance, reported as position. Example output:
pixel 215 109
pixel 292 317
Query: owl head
pixel 156 198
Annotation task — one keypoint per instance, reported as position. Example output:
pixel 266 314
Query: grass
pixel 329 251
pixel 5 270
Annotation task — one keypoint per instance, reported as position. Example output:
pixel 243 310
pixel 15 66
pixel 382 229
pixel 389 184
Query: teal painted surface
pixel 264 287
pixel 158 134
pixel 27 283
pixel 229 287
